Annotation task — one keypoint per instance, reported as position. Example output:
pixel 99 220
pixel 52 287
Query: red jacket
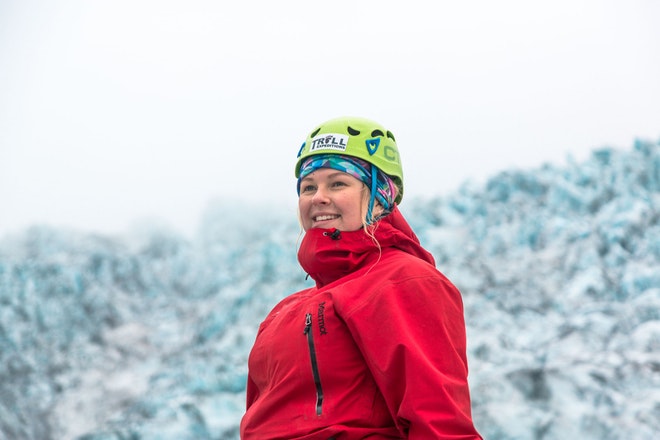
pixel 376 349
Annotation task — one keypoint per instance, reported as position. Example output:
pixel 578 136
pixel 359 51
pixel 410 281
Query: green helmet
pixel 357 137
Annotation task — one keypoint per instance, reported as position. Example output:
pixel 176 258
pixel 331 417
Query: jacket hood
pixel 329 254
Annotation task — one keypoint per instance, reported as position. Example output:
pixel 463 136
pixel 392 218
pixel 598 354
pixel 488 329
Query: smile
pixel 321 218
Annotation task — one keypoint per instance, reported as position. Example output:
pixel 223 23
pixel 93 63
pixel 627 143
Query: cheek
pixel 355 211
pixel 304 203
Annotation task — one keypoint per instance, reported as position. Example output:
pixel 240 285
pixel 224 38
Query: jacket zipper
pixel 315 367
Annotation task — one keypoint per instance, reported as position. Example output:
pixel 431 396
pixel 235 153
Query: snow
pixel 146 335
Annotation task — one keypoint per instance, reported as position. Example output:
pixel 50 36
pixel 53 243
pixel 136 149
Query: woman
pixel 377 348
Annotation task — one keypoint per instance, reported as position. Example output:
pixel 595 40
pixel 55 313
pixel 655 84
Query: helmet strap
pixel 372 197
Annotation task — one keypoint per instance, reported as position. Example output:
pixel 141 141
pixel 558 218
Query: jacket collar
pixel 328 254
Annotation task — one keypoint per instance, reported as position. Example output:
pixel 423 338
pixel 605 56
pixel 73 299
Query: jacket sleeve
pixel 412 335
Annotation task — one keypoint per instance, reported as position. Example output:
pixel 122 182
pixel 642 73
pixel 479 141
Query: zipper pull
pixel 308 323
pixel 335 234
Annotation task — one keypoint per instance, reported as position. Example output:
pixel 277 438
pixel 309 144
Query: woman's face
pixel 332 199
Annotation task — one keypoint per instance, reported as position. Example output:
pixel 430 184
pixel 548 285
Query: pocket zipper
pixel 315 367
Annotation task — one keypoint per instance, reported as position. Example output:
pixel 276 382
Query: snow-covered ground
pixel 146 336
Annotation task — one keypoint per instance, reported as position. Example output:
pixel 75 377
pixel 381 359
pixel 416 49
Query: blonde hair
pixel 371 226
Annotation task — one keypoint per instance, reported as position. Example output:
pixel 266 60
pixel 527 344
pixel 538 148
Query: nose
pixel 320 196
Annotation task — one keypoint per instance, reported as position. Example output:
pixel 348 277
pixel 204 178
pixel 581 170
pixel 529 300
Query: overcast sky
pixel 112 112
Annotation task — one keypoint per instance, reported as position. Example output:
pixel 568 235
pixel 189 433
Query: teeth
pixel 321 218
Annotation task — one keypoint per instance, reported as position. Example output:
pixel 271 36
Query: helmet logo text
pixel 330 141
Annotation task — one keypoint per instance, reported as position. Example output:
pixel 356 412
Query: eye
pixel 377 132
pixel 307 188
pixel 391 136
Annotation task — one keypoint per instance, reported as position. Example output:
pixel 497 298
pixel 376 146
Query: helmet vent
pixel 377 132
pixel 315 132
pixel 391 136
pixel 352 131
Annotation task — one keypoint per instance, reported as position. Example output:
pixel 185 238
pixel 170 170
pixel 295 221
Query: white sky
pixel 116 111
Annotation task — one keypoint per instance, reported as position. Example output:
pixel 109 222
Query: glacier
pixel 146 335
